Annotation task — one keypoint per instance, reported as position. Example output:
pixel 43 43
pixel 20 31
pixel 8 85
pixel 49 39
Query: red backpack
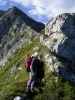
pixel 28 63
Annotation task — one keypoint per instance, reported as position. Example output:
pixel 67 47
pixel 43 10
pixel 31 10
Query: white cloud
pixel 37 11
pixel 37 3
pixel 23 2
pixel 52 7
pixel 40 9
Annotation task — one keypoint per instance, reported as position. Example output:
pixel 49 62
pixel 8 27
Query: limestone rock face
pixel 16 29
pixel 62 36
pixel 61 43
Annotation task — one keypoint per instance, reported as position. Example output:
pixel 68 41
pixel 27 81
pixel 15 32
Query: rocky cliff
pixel 16 32
pixel 60 39
pixel 16 28
pixel 1 13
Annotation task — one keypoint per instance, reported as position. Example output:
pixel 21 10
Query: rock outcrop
pixel 1 13
pixel 61 43
pixel 16 29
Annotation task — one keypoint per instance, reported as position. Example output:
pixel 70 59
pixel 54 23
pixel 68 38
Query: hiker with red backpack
pixel 35 74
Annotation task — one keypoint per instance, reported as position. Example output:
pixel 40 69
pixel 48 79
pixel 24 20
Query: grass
pixel 13 84
pixel 9 81
pixel 57 90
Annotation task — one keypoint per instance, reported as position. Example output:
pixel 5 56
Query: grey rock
pixel 61 44
pixel 16 30
pixel 62 38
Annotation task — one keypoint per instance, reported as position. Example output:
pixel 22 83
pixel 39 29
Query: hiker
pixel 36 74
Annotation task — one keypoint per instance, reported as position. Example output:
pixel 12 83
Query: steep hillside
pixel 16 28
pixel 1 13
pixel 21 35
pixel 18 37
pixel 61 43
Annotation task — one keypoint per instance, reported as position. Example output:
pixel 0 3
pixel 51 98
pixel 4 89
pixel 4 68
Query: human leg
pixel 32 85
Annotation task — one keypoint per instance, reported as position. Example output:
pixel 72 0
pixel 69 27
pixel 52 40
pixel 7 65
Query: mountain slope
pixel 1 13
pixel 61 43
pixel 16 28
pixel 21 37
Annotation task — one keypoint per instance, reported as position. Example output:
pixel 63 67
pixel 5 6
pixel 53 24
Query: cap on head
pixel 35 54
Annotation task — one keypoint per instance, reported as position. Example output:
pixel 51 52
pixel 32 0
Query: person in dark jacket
pixel 36 73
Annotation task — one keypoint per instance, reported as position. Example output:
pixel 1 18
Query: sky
pixel 41 10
